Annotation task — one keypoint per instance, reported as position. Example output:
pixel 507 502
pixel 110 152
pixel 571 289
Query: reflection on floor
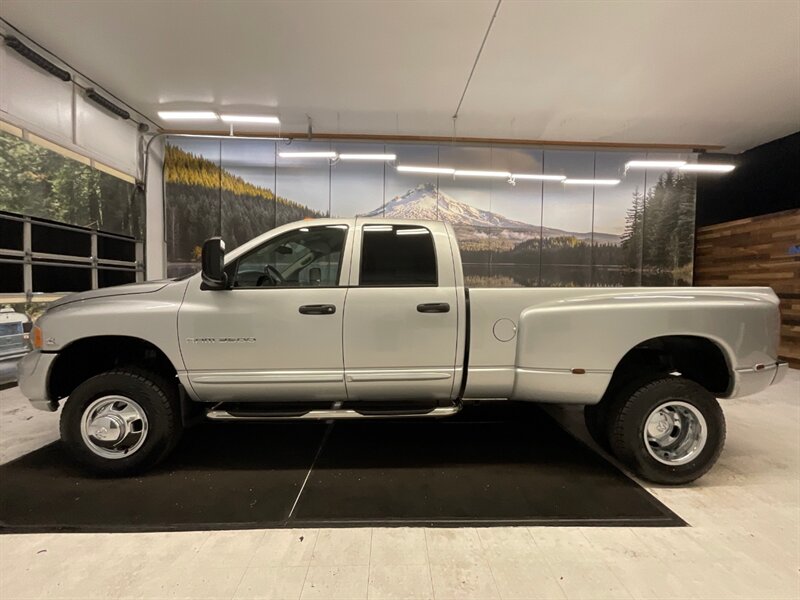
pixel 744 539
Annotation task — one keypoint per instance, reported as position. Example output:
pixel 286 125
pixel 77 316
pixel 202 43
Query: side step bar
pixel 332 413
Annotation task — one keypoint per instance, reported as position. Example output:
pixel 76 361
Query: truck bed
pixel 562 344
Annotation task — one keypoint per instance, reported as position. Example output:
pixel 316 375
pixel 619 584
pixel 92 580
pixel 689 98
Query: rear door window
pixel 397 255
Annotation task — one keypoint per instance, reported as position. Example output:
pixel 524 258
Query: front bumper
pixel 33 371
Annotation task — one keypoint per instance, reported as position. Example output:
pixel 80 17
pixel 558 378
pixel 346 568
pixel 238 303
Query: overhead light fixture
pixel 107 104
pixel 272 120
pixel 591 181
pixel 654 164
pixel 539 177
pixel 368 156
pixel 187 115
pixel 36 58
pixel 307 154
pixel 503 174
pixel 708 168
pixel 421 169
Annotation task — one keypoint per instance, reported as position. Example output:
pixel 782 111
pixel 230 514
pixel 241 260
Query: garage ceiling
pixel 706 73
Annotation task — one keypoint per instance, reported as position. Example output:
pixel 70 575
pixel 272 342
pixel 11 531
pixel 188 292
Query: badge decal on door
pixel 221 340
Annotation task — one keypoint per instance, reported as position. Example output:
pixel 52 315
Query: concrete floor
pixel 744 539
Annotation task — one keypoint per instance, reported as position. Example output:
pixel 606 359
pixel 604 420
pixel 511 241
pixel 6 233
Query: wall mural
pixel 38 182
pixel 532 233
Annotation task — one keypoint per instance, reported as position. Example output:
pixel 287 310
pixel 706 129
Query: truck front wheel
pixel 669 431
pixel 121 422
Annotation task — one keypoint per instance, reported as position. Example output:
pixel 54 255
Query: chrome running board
pixel 343 413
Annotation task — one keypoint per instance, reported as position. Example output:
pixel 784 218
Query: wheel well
pixel 88 357
pixel 695 358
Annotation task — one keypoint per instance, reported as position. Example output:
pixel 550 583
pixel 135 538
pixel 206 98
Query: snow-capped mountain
pixel 421 203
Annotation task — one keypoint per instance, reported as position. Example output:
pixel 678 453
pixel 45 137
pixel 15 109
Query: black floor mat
pixel 220 476
pixel 502 464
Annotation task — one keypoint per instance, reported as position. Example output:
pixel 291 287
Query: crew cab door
pixel 401 314
pixel 276 334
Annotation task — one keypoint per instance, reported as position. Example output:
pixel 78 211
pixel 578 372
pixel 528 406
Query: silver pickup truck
pixel 370 318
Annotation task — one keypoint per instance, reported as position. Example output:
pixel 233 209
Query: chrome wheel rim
pixel 114 427
pixel 675 433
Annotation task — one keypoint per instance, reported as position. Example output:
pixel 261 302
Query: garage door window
pixel 397 255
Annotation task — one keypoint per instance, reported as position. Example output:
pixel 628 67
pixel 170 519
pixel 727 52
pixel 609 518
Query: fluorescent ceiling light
pixel 654 164
pixel 368 156
pixel 503 174
pixel 592 181
pixel 413 169
pixel 187 115
pixel 307 154
pixel 539 177
pixel 250 119
pixel 708 168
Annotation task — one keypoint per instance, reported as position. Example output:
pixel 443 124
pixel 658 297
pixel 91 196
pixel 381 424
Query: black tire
pixel 157 398
pixel 596 416
pixel 626 424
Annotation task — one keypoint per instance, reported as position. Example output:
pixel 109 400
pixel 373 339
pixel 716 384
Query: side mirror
pixel 213 261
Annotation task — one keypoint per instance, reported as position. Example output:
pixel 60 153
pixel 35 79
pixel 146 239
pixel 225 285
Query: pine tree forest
pixel 204 200
pixel 39 182
pixel 659 227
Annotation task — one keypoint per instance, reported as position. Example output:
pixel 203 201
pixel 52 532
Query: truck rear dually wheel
pixel 596 416
pixel 669 431
pixel 121 422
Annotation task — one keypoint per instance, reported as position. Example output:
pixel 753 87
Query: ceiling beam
pixel 364 137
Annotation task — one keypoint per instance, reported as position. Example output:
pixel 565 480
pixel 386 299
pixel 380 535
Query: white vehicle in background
pixel 370 318
pixel 14 342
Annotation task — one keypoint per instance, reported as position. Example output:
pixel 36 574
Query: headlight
pixel 36 336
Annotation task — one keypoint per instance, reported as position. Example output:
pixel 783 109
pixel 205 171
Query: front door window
pixel 305 257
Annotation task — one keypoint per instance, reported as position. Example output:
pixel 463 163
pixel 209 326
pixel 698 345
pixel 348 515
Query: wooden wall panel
pixel 761 250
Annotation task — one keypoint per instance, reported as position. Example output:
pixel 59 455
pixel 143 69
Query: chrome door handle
pixel 317 309
pixel 433 307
